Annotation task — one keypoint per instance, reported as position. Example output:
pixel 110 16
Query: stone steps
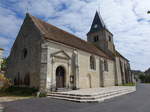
pixel 96 97
pixel 63 89
pixel 1 108
pixel 92 100
pixel 85 96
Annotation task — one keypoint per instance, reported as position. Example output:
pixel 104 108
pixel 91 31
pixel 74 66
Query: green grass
pixel 129 84
pixel 18 91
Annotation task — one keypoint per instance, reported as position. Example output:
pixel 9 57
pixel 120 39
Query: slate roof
pixel 97 24
pixel 53 33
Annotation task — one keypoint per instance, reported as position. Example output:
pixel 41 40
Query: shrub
pixel 20 91
pixel 42 94
pixel 145 78
pixel 5 82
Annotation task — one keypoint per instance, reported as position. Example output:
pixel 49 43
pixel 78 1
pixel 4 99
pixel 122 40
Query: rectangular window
pixel 95 38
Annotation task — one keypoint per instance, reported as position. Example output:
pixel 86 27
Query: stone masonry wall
pixel 28 38
pixel 87 78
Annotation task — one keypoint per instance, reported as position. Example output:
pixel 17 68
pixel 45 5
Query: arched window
pixel 96 38
pixel 92 63
pixel 24 53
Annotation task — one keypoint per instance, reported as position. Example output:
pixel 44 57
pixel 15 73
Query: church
pixel 48 58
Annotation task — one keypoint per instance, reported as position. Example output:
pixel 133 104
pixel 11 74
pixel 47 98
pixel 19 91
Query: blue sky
pixel 126 19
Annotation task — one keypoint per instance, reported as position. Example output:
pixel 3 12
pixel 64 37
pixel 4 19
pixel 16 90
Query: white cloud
pixel 4 42
pixel 9 23
pixel 126 19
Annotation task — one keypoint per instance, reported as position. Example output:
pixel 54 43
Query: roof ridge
pixel 59 29
pixel 121 55
pixel 34 19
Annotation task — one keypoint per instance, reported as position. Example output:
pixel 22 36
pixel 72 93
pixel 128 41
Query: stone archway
pixel 60 77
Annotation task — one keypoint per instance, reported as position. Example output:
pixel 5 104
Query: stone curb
pixel 1 108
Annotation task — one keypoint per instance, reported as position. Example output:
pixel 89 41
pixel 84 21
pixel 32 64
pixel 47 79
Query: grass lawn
pixel 129 84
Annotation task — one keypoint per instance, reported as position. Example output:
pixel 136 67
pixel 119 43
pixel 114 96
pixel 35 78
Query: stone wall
pixel 25 55
pixel 109 76
pixel 58 55
pixel 118 71
pixel 123 71
pixel 104 42
pixel 84 76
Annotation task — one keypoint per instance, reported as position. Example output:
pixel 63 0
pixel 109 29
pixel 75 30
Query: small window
pixel 109 38
pixel 92 63
pixel 95 38
pixel 105 65
pixel 24 53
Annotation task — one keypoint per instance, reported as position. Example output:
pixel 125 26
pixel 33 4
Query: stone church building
pixel 48 58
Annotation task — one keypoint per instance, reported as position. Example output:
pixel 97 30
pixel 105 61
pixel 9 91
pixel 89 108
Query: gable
pixel 29 37
pixel 61 54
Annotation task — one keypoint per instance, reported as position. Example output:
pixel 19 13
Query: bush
pixel 5 82
pixel 145 78
pixel 19 91
pixel 42 95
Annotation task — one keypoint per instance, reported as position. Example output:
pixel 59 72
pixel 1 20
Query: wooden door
pixel 60 79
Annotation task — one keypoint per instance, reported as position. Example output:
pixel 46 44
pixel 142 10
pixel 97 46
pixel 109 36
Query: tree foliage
pixel 4 64
pixel 144 78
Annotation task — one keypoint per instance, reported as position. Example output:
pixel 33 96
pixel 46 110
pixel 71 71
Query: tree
pixel 142 78
pixel 4 64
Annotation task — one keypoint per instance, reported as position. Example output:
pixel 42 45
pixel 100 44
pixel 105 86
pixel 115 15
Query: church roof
pixel 120 55
pixel 53 33
pixel 97 23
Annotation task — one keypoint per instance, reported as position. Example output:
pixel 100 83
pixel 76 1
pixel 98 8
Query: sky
pixel 126 19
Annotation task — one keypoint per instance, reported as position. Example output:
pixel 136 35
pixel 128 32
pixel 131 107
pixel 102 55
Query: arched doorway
pixel 60 77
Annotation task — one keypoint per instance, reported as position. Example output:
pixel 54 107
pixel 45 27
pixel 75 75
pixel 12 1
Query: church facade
pixel 48 58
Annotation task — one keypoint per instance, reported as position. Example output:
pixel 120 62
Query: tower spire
pixel 97 23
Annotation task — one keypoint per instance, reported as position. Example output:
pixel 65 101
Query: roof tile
pixel 55 34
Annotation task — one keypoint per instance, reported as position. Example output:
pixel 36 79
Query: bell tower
pixel 100 36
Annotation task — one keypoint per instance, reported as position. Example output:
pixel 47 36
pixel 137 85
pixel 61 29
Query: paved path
pixel 138 101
